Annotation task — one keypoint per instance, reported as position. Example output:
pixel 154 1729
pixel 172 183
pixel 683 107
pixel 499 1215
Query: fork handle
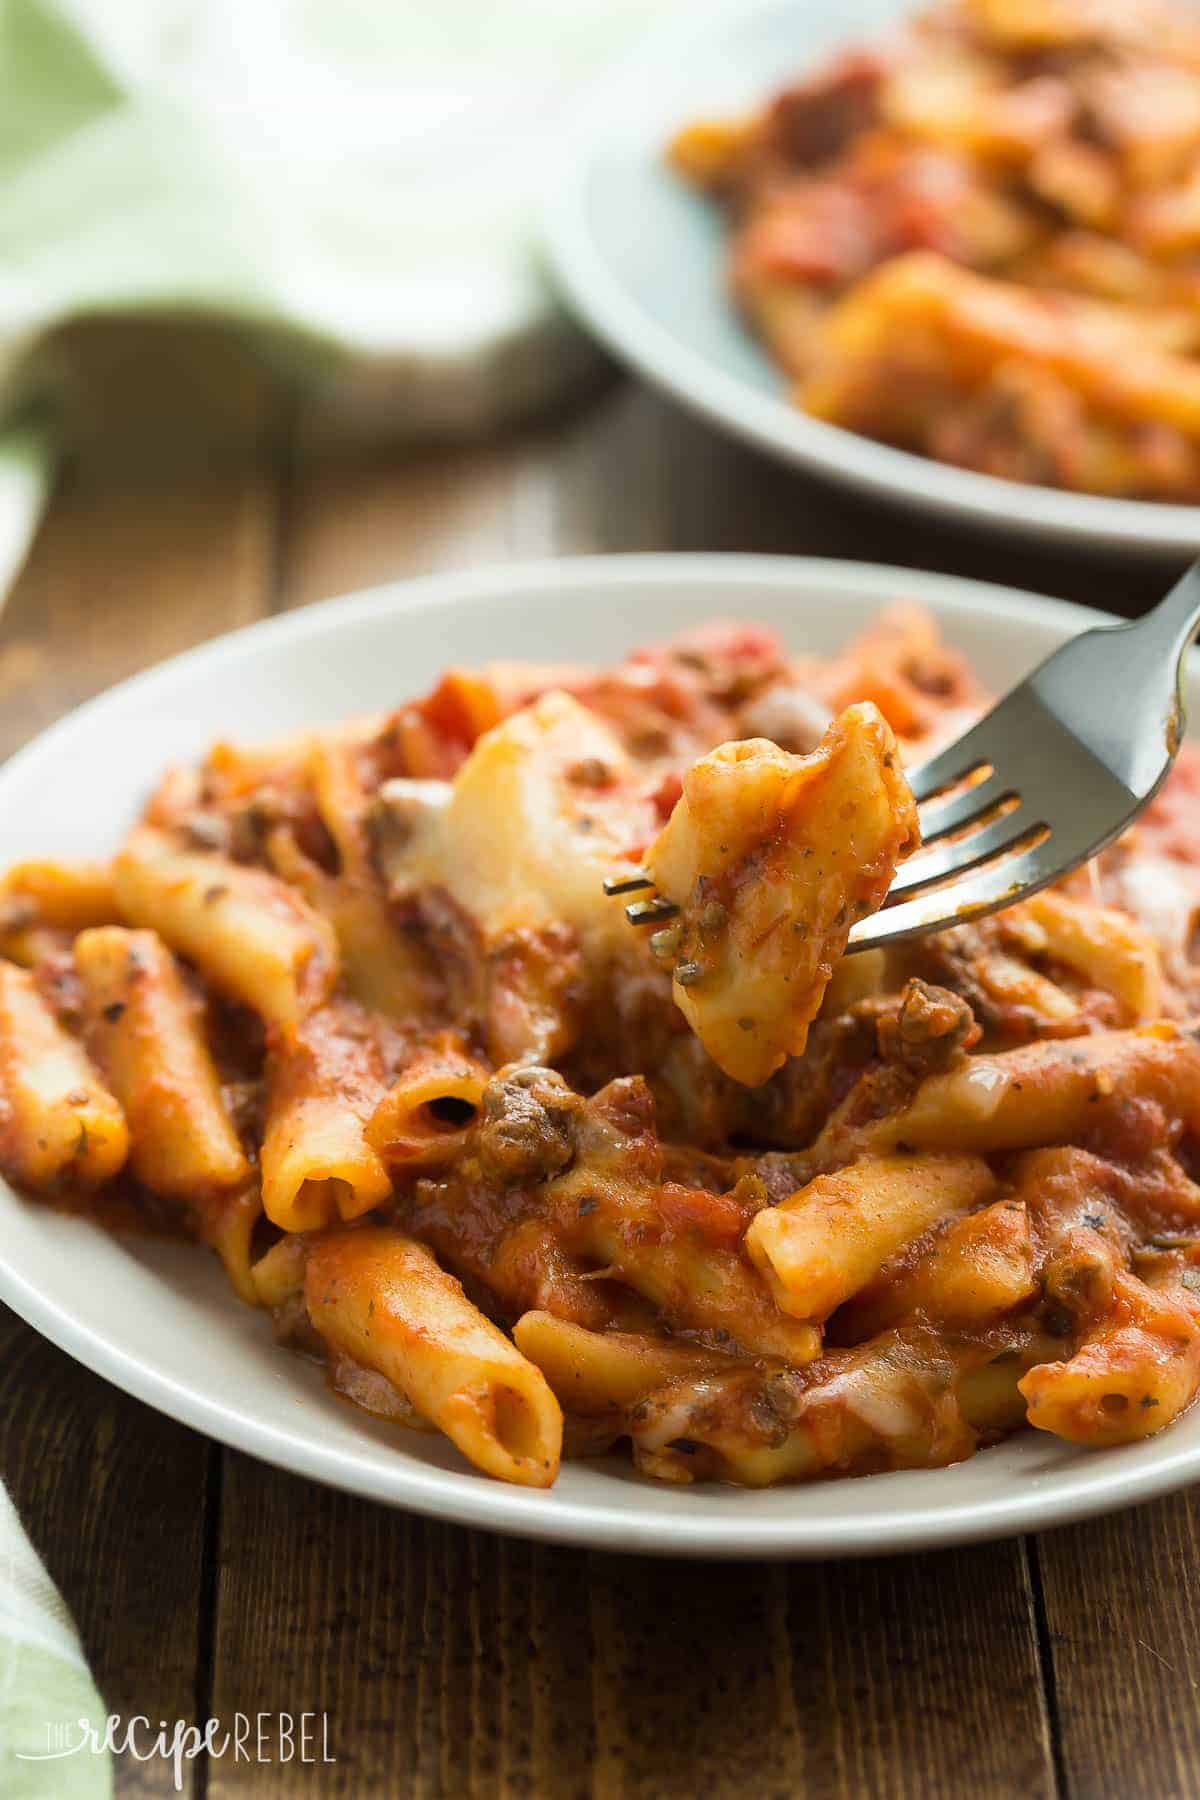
pixel 1168 628
pixel 1135 673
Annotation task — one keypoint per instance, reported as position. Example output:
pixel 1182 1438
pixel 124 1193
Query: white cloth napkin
pixel 49 1707
pixel 348 185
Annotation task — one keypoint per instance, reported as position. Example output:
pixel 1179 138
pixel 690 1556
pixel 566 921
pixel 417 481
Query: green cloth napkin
pixel 49 1707
pixel 348 185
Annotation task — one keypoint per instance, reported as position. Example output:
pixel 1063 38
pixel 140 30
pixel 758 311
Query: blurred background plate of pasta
pixel 160 1320
pixel 647 261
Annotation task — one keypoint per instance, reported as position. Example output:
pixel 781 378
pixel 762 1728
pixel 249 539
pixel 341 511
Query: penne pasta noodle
pixel 59 1125
pixel 979 1267
pixel 324 1081
pixel 145 1031
pixel 42 905
pixel 702 1429
pixel 28 944
pixel 593 1372
pixel 891 1403
pixel 278 1275
pixel 658 1243
pixel 380 1298
pixel 240 769
pixel 248 932
pixel 825 1243
pixel 382 966
pixel 772 858
pixel 227 1223
pixel 1131 1376
pixel 237 770
pixel 528 1269
pixel 1108 948
pixel 1045 1093
pixel 71 895
pixel 1048 1093
pixel 423 1119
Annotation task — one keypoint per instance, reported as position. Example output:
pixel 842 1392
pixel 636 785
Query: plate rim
pixel 466 1498
pixel 1143 528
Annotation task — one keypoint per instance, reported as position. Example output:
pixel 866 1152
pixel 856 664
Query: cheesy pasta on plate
pixel 352 1010
pixel 980 239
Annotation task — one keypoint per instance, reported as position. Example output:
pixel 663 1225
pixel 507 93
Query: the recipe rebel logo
pixel 283 1737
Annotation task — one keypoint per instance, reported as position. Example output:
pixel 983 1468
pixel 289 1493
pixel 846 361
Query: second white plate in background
pixel 641 259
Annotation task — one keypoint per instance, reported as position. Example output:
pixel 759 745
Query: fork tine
pixel 651 912
pixel 940 817
pixel 953 764
pixel 627 884
pixel 980 893
pixel 961 854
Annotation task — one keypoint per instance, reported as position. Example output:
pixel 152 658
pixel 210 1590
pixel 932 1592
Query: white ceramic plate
pixel 641 259
pixel 160 1321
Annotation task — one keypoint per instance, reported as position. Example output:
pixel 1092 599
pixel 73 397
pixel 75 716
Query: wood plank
pixel 645 474
pixel 447 1662
pixel 114 1495
pixel 120 578
pixel 631 470
pixel 358 523
pixel 880 1678
pixel 1122 1609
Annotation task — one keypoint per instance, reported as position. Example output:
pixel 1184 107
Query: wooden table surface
pixel 457 1663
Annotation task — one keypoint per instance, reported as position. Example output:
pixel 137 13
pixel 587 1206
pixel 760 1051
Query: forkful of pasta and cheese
pixel 773 865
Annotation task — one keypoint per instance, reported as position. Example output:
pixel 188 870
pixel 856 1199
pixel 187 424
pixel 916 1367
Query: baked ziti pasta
pixel 353 1011
pixel 980 239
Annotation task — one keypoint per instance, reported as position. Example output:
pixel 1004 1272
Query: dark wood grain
pixel 635 472
pixel 413 1638
pixel 877 1678
pixel 121 578
pixel 1122 1608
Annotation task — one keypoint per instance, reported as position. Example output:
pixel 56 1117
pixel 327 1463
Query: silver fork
pixel 1046 779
